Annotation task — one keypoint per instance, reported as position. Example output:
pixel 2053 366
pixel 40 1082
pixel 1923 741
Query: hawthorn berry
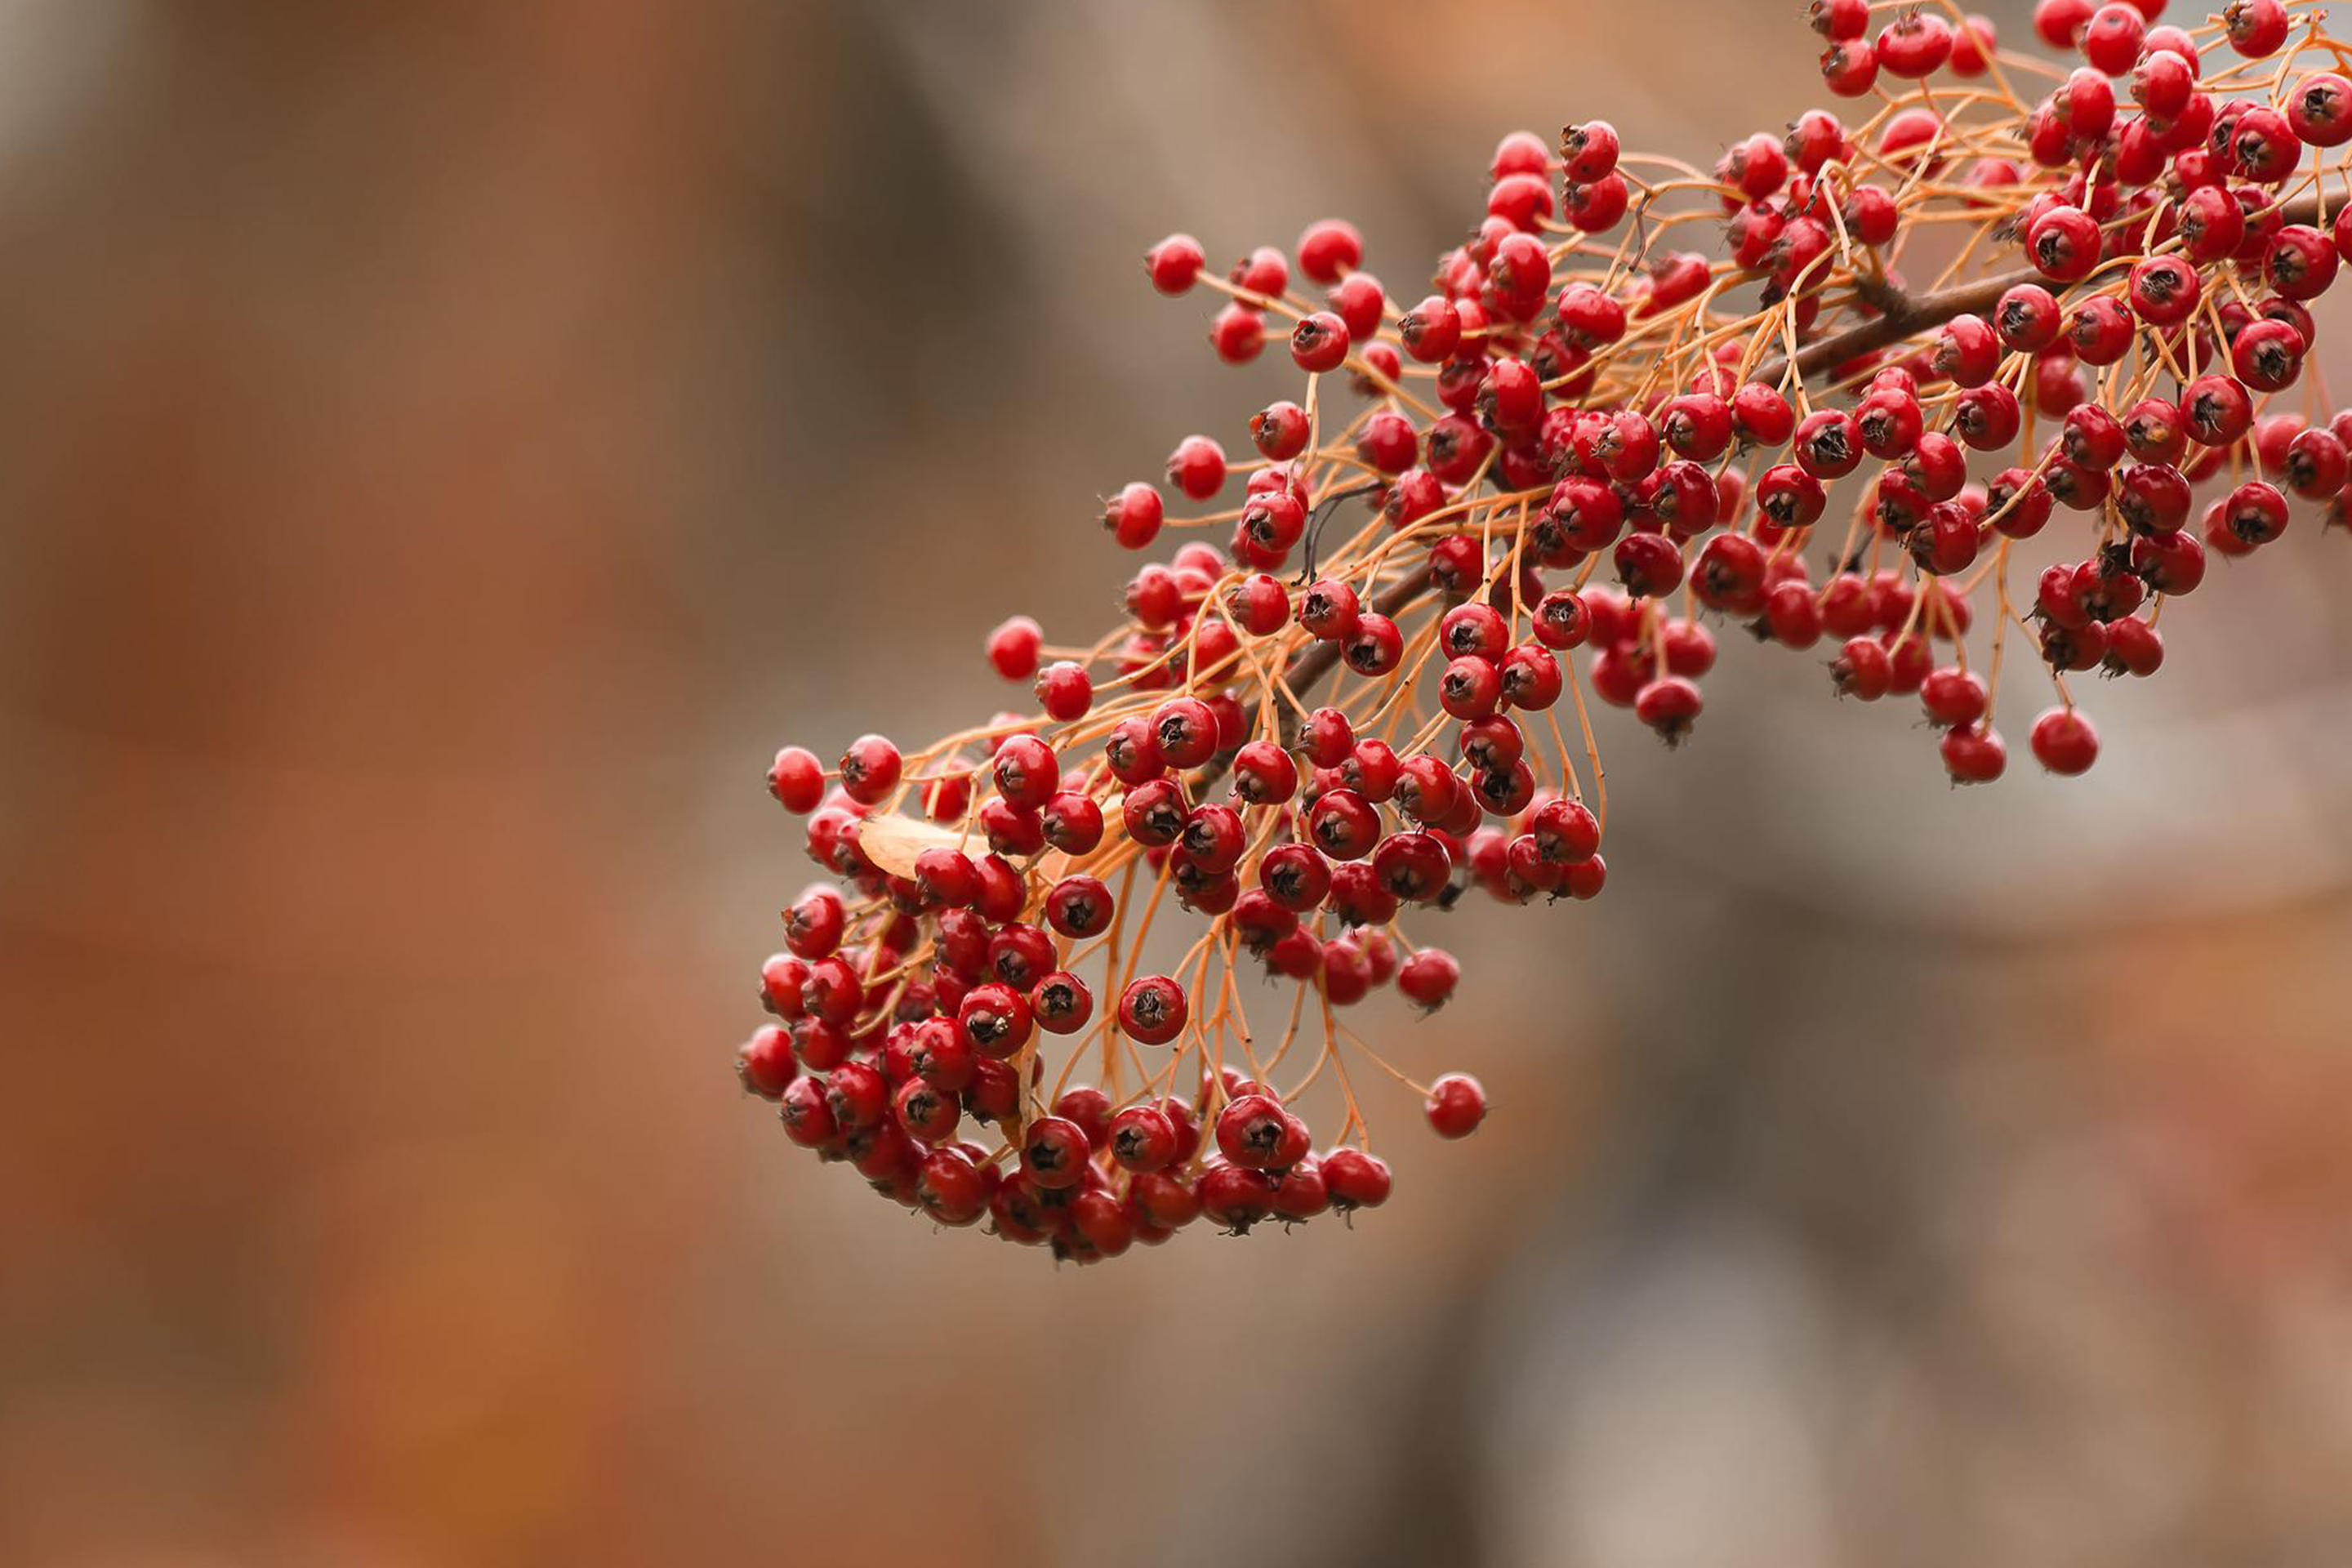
pixel 1974 754
pixel 1054 1152
pixel 1175 263
pixel 2065 743
pixel 1152 1011
pixel 1455 1105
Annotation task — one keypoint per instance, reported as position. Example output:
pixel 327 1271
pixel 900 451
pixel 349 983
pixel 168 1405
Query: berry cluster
pixel 2116 301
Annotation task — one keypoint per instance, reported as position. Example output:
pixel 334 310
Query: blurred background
pixel 445 448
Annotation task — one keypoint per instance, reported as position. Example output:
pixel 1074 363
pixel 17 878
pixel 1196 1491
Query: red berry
pixel 1953 697
pixel 1279 430
pixel 2300 262
pixel 1763 415
pixel 1197 467
pixel 1839 20
pixel 1973 43
pixel 1432 330
pixel 1175 263
pixel 1133 515
pixel 1375 647
pixel 2255 28
pixel 950 1188
pixel 797 780
pixel 1650 564
pixel 927 1113
pixel 1974 754
pixel 1455 1106
pixel 995 1018
pixel 856 1095
pixel 1065 691
pixel 1262 271
pixel 1861 669
pixel 764 1062
pixel 1329 611
pixel 2064 243
pixel 1153 1010
pixel 2268 355
pixel 2065 743
pixel 1589 151
pixel 2027 317
pixel 1142 1138
pixel 1235 1196
pixel 1520 153
pixel 2134 648
pixel 1916 44
pixel 2319 110
pixel 1849 67
pixel 1427 979
pixel 1320 342
pixel 1237 332
pixel 1013 647
pixel 1967 350
pixel 1251 1128
pixel 1758 166
pixel 1329 249
pixel 1054 1152
pixel 1668 706
pixel 1598 207
pixel 1301 1192
pixel 1061 1004
pixel 2061 22
pixel 1355 1179
pixel 2111 39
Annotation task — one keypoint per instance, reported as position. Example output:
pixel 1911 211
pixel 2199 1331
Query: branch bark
pixel 1906 315
pixel 1311 664
pixel 1902 316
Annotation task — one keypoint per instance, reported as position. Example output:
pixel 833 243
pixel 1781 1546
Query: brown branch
pixel 1900 316
pixel 1903 315
pixel 1313 664
pixel 1310 664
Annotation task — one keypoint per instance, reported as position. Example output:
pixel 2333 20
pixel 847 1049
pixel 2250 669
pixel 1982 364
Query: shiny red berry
pixel 1455 1106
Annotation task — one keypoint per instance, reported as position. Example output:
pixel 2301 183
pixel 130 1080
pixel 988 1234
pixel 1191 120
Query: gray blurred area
pixel 444 449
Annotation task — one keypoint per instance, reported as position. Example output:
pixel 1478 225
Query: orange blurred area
pixel 444 450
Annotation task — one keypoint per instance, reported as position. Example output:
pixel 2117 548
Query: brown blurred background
pixel 444 448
